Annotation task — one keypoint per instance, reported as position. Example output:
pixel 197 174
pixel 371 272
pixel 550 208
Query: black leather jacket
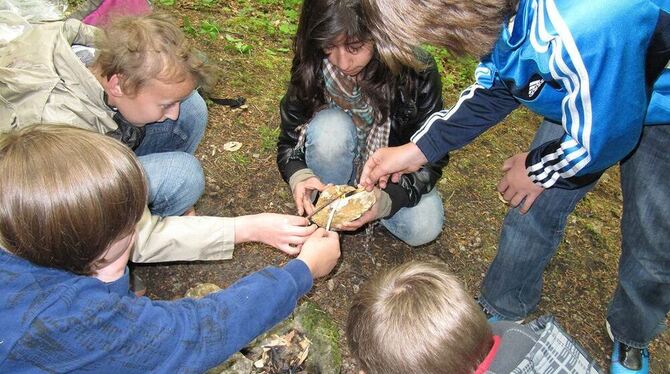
pixel 419 95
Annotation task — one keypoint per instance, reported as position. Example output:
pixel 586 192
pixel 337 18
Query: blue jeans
pixel 330 151
pixel 512 286
pixel 175 176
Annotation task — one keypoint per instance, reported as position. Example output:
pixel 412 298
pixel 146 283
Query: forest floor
pixel 249 41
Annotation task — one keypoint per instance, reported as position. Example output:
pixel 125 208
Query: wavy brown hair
pixel 67 194
pixel 321 23
pixel 461 26
pixel 146 47
pixel 417 318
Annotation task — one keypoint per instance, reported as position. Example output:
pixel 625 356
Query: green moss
pixel 324 334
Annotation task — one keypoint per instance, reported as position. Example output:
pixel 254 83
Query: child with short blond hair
pixel 143 48
pixel 402 320
pixel 135 80
pixel 70 200
pixel 418 318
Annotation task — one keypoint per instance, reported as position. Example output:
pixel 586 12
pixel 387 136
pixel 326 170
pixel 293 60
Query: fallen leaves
pixel 232 146
pixel 284 354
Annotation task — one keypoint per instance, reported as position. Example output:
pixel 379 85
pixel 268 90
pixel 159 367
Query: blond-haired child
pixel 135 80
pixel 418 318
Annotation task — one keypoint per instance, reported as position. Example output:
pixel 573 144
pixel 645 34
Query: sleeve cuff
pixel 429 149
pixel 301 274
pixel 384 205
pixel 397 196
pixel 300 176
pixel 291 167
pixel 178 238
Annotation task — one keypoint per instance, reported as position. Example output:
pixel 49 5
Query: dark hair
pixel 66 195
pixel 321 23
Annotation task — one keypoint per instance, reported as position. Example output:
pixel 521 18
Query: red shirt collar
pixel 484 366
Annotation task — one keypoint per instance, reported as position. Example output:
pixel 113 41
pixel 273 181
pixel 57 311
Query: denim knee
pixel 176 182
pixel 420 224
pixel 330 146
pixel 192 120
pixel 182 135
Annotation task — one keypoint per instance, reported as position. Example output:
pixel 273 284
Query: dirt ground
pixel 578 281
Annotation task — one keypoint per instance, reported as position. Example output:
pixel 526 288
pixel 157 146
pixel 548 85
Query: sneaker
pixel 491 318
pixel 626 359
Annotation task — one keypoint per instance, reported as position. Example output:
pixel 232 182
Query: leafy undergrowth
pixel 249 41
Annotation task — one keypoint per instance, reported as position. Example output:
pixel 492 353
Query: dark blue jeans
pixel 176 179
pixel 513 284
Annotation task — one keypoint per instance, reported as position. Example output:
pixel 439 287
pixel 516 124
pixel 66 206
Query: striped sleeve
pixel 478 109
pixel 605 95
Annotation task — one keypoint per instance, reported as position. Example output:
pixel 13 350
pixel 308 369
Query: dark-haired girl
pixel 342 104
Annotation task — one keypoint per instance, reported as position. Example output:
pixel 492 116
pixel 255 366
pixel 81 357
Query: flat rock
pixel 201 289
pixel 346 209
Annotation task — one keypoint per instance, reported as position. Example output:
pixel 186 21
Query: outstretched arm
pixel 92 326
pixel 477 110
pixel 284 232
pixel 385 162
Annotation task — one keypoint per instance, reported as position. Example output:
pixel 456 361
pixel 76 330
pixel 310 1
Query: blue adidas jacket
pixel 597 67
pixel 56 321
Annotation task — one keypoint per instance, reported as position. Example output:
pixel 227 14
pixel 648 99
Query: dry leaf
pixel 305 343
pixel 260 363
pixel 303 356
pixel 232 146
pixel 289 336
pixel 501 198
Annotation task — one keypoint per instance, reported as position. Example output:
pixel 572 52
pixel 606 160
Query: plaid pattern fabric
pixel 344 92
pixel 555 352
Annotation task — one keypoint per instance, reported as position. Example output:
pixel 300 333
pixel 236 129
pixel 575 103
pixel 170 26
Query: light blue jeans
pixel 330 151
pixel 175 176
pixel 512 286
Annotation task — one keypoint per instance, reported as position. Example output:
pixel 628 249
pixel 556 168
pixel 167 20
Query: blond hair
pixel 461 26
pixel 67 194
pixel 417 318
pixel 146 47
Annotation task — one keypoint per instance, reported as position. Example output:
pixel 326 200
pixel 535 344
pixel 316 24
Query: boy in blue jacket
pixel 69 202
pixel 596 71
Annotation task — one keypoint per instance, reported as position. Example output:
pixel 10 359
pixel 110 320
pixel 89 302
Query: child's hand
pixel 284 232
pixel 515 186
pixel 371 215
pixel 391 162
pixel 320 252
pixel 302 194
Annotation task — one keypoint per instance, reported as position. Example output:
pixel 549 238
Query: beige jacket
pixel 43 81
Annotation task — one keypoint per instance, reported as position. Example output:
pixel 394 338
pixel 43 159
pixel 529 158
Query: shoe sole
pixel 495 319
pixel 609 330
